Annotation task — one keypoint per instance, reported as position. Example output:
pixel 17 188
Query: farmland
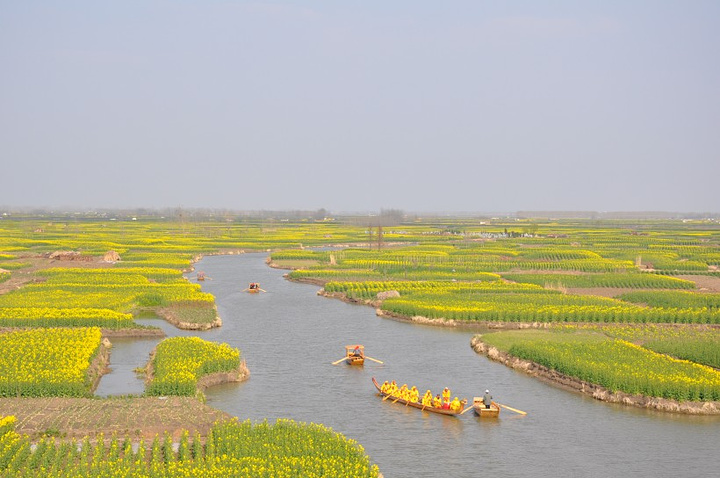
pixel 66 285
pixel 231 449
pixel 44 362
pixel 179 362
pixel 613 363
pixel 58 278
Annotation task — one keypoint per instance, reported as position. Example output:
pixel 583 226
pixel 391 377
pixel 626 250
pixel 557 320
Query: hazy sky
pixel 358 105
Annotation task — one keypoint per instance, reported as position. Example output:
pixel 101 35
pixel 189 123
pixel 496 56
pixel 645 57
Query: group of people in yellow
pixel 413 395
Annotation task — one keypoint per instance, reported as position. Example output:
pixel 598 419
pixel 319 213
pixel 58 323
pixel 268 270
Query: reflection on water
pixel 289 336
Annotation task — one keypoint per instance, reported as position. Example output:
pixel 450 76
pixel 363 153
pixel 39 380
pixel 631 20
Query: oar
pixel 468 408
pixel 247 288
pixel 513 409
pixel 261 290
pixel 386 397
pixel 396 399
pixel 338 361
pixel 374 360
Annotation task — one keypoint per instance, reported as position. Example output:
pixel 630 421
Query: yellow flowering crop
pixel 47 362
pixel 180 361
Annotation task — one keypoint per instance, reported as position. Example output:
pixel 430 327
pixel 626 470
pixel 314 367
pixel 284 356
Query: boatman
pixel 427 399
pixel 487 399
pixel 455 405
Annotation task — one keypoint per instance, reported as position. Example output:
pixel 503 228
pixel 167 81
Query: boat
pixel 354 354
pixel 254 288
pixel 200 276
pixel 441 411
pixel 482 412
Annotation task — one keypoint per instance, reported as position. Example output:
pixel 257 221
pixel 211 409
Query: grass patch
pixel 192 313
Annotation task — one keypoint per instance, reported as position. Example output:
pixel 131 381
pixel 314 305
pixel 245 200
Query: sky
pixel 361 105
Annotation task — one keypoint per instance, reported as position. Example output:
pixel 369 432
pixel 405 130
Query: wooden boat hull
pixel 355 360
pixel 253 291
pixel 441 411
pixel 482 412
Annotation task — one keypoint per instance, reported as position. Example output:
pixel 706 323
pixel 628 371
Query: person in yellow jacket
pixel 427 399
pixel 455 405
pixel 437 401
pixel 402 393
pixel 446 397
pixel 385 386
pixel 414 394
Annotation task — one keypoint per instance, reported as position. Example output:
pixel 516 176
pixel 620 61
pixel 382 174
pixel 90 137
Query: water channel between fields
pixel 289 336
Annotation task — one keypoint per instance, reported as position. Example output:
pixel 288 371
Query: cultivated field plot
pixel 614 363
pixel 285 449
pixel 179 363
pixel 134 417
pixel 48 362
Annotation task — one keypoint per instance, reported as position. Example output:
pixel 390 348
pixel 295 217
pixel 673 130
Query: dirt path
pixel 704 283
pixel 136 417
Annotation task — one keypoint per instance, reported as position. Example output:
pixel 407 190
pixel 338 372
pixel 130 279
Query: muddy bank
pixel 240 375
pixel 595 391
pixel 99 365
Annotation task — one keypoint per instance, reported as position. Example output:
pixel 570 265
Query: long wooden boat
pixel 441 411
pixel 482 412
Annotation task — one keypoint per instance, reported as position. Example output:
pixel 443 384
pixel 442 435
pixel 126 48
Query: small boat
pixel 354 354
pixel 482 412
pixel 200 276
pixel 441 411
pixel 254 288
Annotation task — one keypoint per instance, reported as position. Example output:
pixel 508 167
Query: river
pixel 289 336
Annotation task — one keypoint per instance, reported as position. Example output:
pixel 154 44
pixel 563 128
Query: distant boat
pixel 254 288
pixel 200 276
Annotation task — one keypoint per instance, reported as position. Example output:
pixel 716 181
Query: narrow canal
pixel 289 336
